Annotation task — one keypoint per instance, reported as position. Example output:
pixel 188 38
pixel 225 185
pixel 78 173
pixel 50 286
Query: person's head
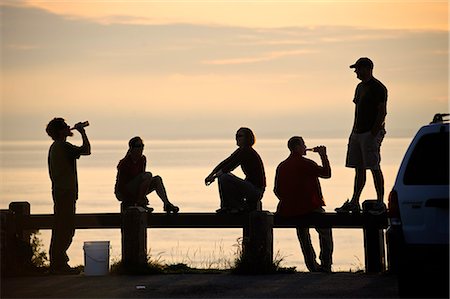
pixel 57 129
pixel 245 137
pixel 363 68
pixel 297 145
pixel 136 146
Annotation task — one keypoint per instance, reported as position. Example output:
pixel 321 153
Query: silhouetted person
pixel 239 195
pixel 62 168
pixel 366 137
pixel 133 183
pixel 298 188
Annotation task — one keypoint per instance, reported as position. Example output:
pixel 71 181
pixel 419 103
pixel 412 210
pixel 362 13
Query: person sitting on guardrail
pixel 133 183
pixel 240 195
pixel 298 188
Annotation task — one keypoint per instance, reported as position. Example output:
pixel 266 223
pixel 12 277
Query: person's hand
pixel 321 150
pixel 79 127
pixel 209 179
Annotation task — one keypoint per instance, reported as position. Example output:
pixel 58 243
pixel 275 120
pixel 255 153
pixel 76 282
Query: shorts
pixel 364 150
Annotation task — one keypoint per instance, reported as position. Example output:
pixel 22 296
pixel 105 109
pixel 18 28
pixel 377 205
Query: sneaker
pixel 377 209
pixel 348 207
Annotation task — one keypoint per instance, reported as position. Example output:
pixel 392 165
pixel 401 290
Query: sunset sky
pixel 202 69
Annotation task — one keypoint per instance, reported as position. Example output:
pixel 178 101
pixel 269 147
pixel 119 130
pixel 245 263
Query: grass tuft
pixel 246 264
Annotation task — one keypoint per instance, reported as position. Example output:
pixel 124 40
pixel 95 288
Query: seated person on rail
pixel 240 195
pixel 133 183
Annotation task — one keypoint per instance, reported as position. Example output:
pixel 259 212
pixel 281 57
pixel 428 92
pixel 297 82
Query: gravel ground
pixel 224 285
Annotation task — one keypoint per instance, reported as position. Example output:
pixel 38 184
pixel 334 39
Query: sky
pixel 202 69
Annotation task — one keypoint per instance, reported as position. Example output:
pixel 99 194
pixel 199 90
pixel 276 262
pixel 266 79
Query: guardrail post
pixel 20 238
pixel 257 246
pixel 373 242
pixel 21 209
pixel 8 248
pixel 134 238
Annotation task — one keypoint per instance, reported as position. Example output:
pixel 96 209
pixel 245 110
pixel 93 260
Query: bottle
pixel 314 149
pixel 81 125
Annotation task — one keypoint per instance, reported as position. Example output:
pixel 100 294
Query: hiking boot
pixel 348 207
pixel 377 209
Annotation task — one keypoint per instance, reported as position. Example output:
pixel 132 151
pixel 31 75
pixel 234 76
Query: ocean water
pixel 183 165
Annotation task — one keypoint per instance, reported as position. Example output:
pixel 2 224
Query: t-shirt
pixel 127 170
pixel 62 165
pixel 251 164
pixel 297 186
pixel 368 96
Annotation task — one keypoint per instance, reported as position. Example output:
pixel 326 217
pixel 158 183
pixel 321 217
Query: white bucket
pixel 96 258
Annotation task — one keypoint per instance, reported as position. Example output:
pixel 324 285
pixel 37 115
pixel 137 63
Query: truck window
pixel 429 162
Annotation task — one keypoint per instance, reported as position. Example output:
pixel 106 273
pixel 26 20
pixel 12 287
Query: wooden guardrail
pixel 17 224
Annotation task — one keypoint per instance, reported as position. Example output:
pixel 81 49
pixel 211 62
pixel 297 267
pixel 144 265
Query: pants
pixel 236 193
pixel 63 226
pixel 326 246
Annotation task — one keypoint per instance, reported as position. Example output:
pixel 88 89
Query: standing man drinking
pixel 62 168
pixel 366 137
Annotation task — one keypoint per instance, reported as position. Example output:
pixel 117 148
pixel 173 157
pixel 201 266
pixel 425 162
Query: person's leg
pixel 69 232
pixel 372 159
pixel 359 183
pixel 144 182
pixel 326 248
pixel 231 191
pixel 156 184
pixel 56 259
pixel 355 160
pixel 326 245
pixel 138 189
pixel 63 228
pixel 378 180
pixel 253 196
pixel 309 254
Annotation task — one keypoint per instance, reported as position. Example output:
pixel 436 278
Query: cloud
pixel 398 14
pixel 23 47
pixel 263 57
pixel 194 73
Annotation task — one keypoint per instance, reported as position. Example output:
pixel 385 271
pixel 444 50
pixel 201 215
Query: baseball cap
pixel 363 61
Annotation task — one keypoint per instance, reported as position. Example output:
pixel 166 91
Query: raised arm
pixel 325 169
pixel 86 146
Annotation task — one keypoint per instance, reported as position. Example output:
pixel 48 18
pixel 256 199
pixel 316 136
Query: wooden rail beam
pixel 211 220
pixel 255 237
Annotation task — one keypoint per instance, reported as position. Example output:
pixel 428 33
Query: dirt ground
pixel 224 285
